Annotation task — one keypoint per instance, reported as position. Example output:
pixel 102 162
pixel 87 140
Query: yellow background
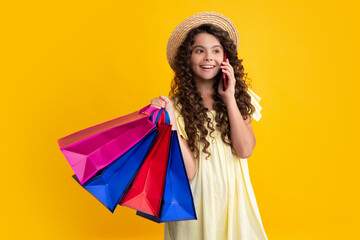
pixel 68 65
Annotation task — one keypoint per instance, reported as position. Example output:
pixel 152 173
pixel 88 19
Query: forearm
pixel 187 155
pixel 243 139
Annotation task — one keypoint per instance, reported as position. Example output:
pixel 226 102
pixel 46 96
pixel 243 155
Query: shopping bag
pixel 110 183
pixel 92 149
pixel 146 191
pixel 177 203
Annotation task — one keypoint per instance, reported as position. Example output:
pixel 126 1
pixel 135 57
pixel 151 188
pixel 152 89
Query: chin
pixel 206 77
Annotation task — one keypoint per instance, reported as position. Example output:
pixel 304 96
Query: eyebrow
pixel 204 47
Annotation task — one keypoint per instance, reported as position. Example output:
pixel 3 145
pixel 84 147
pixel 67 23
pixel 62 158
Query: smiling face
pixel 206 57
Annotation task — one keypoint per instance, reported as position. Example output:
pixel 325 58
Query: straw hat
pixel 180 32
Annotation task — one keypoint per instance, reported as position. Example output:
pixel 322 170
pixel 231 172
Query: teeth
pixel 207 66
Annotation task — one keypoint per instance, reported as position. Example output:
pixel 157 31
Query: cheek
pixel 193 68
pixel 193 62
pixel 193 59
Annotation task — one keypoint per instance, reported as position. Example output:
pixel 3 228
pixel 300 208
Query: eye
pixel 196 51
pixel 217 51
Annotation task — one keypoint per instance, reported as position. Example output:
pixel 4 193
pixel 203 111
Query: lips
pixel 207 66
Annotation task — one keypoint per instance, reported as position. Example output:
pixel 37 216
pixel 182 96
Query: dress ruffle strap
pixel 255 99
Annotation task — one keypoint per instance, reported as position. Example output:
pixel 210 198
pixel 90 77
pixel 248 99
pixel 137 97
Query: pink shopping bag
pixel 92 149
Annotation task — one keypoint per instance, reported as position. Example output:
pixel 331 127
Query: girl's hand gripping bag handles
pixel 92 149
pixel 177 204
pixel 146 191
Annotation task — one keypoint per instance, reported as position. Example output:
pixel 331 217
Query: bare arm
pixel 188 156
pixel 242 134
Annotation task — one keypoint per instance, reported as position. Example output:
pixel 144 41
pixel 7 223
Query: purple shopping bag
pixel 92 149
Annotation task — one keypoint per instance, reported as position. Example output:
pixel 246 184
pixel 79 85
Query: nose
pixel 208 57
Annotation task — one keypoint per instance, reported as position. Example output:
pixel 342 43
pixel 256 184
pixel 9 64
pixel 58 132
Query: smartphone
pixel 224 77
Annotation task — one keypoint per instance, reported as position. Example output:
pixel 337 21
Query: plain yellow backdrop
pixel 68 65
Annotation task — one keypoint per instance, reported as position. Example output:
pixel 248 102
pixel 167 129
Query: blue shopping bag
pixel 177 203
pixel 110 183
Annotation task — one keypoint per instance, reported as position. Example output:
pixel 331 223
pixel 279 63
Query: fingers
pixel 226 69
pixel 165 99
pixel 168 102
pixel 158 103
pixel 229 71
pixel 226 65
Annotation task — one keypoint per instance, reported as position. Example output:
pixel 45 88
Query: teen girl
pixel 214 128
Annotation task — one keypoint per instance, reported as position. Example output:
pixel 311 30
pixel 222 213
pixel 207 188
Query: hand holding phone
pixel 224 77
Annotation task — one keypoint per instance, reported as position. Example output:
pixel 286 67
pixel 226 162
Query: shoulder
pixel 179 118
pixel 176 105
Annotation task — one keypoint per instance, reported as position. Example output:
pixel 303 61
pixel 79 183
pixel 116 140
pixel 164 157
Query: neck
pixel 205 87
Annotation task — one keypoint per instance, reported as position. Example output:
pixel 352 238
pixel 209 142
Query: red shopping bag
pixel 146 191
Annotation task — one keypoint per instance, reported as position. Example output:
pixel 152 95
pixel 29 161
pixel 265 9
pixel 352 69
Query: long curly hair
pixel 188 99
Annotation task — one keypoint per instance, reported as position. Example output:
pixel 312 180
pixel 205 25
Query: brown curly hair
pixel 188 99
